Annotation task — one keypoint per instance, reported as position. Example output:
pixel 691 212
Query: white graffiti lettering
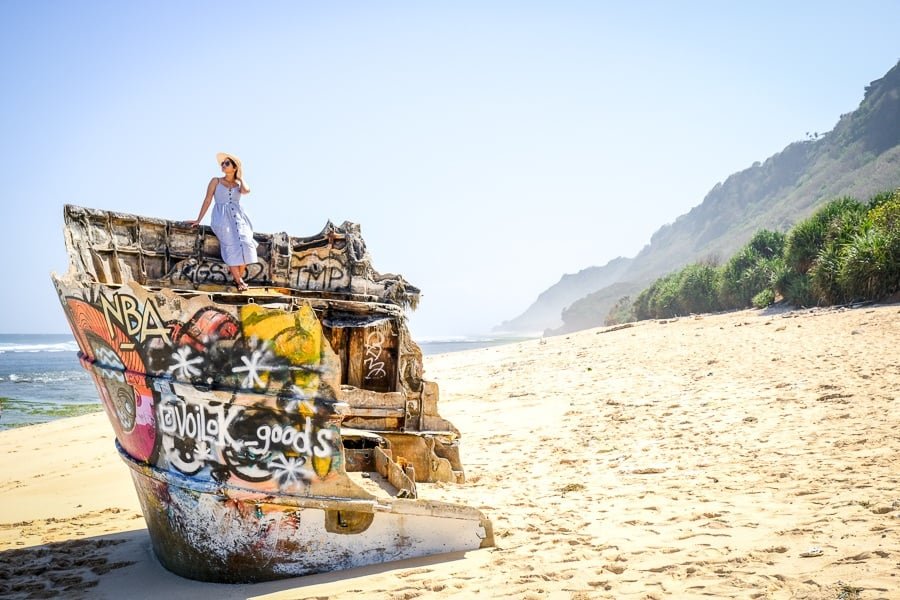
pixel 196 434
pixel 181 420
pixel 300 440
pixel 373 348
pixel 138 321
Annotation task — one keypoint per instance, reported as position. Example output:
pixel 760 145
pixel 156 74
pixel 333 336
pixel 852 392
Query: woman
pixel 229 221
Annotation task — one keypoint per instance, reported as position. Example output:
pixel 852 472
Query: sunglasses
pixel 227 163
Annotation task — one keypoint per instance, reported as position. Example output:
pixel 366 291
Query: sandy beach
pixel 743 455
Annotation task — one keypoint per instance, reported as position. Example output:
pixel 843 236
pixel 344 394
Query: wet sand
pixel 742 455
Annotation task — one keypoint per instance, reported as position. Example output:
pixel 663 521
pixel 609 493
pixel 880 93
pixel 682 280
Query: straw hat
pixel 221 156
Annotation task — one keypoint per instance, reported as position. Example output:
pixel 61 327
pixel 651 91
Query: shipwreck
pixel 270 433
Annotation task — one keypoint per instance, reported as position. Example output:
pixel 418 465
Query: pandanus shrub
pixel 753 269
pixel 870 260
pixel 621 312
pixel 805 241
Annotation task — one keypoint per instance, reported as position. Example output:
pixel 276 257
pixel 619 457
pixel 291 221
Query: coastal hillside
pixel 545 312
pixel 859 157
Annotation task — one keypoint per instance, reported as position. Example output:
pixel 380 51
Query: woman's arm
pixel 210 190
pixel 245 189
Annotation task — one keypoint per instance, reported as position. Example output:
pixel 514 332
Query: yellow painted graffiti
pixel 296 336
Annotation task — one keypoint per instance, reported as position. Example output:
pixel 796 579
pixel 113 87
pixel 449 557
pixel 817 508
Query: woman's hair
pixel 238 171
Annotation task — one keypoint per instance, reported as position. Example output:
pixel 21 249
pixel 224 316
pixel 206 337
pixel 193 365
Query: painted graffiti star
pixel 204 452
pixel 184 366
pixel 253 366
pixel 289 470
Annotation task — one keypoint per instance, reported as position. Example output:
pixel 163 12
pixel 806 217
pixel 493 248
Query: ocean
pixel 41 379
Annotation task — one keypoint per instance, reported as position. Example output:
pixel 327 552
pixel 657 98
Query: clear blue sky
pixel 486 148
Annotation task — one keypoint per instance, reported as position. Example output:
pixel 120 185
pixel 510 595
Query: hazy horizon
pixel 486 149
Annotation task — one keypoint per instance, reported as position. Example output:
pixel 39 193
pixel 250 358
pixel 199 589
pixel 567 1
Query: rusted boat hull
pixel 204 532
pixel 268 435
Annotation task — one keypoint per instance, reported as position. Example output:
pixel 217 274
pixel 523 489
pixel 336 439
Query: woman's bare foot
pixel 237 273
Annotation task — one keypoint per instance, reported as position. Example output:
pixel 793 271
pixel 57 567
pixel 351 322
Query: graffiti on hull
pixel 206 272
pixel 321 270
pixel 251 444
pixel 213 392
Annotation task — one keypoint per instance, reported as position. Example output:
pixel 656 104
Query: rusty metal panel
pixel 210 248
pixel 373 358
pixel 97 228
pixel 238 538
pixel 182 241
pixel 155 266
pixel 152 236
pixel 280 259
pixel 130 262
pixel 264 248
pixel 418 451
pixel 359 459
pixel 124 232
pixel 399 472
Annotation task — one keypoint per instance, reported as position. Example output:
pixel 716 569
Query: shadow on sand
pixel 123 565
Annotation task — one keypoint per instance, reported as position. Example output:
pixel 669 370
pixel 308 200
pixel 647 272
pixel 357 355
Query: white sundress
pixel 232 226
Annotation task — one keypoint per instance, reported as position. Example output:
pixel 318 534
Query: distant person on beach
pixel 229 221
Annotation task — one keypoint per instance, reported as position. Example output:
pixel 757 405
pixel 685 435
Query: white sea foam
pixel 49 377
pixel 54 347
pixel 441 345
pixel 453 339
